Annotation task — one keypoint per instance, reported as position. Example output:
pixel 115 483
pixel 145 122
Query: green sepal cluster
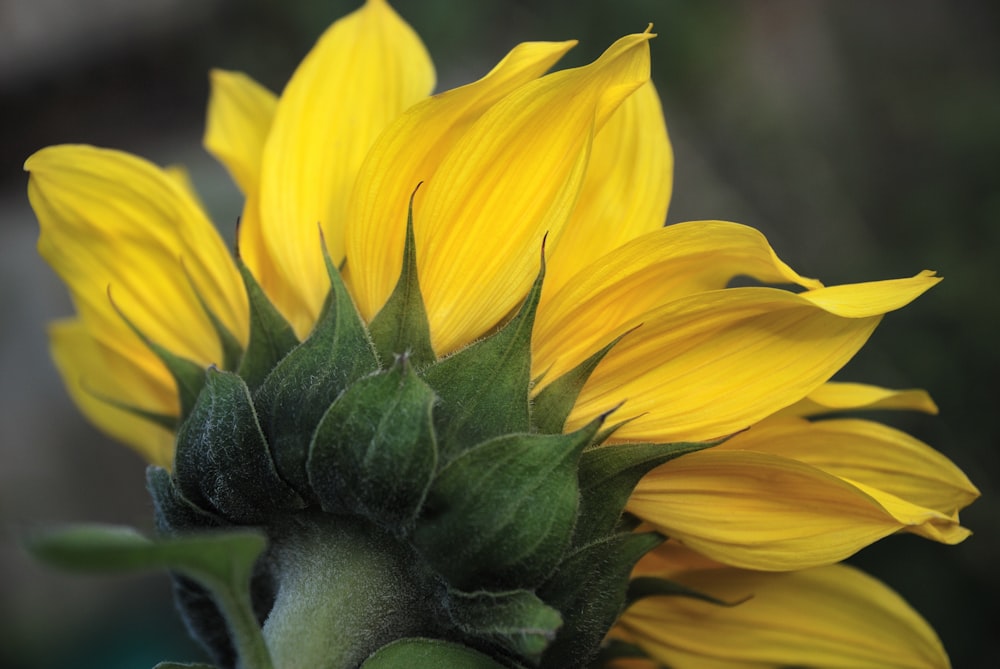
pixel 502 539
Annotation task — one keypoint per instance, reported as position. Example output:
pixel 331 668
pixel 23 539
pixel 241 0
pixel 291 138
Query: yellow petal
pixel 829 617
pixel 512 178
pixel 240 112
pixel 363 72
pixel 112 221
pixel 834 396
pixel 865 453
pixel 408 153
pixel 621 288
pixel 93 373
pixel 626 189
pixel 715 363
pixel 761 511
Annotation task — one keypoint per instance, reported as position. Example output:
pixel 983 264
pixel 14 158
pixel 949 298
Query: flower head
pixel 392 349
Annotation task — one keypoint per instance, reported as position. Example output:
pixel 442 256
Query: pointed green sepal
pixel 401 326
pixel 652 586
pixel 502 513
pixel 222 459
pixel 590 587
pixel 608 474
pixel 374 453
pixel 516 621
pixel 173 512
pixel 232 350
pixel 189 376
pixel 484 387
pixel 165 421
pixel 271 337
pixel 293 398
pixel 411 653
pixel 552 406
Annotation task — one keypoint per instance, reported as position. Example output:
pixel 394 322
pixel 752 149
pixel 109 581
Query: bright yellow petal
pixel 114 222
pixel 621 288
pixel 760 511
pixel 93 373
pixel 240 112
pixel 866 453
pixel 834 396
pixel 363 72
pixel 626 190
pixel 715 363
pixel 512 178
pixel 408 153
pixel 831 617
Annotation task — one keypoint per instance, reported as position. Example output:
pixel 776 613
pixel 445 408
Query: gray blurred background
pixel 862 138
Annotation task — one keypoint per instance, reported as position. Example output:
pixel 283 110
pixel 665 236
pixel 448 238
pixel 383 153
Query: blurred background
pixel 862 138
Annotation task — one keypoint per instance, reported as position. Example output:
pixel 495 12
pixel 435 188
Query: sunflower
pixel 458 341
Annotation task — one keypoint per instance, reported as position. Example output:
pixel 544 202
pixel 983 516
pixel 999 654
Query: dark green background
pixel 862 138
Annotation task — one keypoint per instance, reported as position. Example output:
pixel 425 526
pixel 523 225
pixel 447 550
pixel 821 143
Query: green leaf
pixel 484 387
pixel 271 337
pixel 427 653
pixel 517 621
pixel 222 459
pixel 294 397
pixel 590 587
pixel 401 326
pixel 374 452
pixel 652 586
pixel 608 474
pixel 502 513
pixel 554 403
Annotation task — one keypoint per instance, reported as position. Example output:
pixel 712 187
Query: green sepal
pixel 590 587
pixel 484 387
pixel 173 512
pixel 222 459
pixel 293 398
pixel 411 653
pixel 552 406
pixel 502 513
pixel 374 453
pixel 271 337
pixel 608 474
pixel 653 586
pixel 516 621
pixel 166 421
pixel 232 350
pixel 189 376
pixel 401 326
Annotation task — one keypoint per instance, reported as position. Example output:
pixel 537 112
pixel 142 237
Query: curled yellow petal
pixel 363 72
pixel 626 190
pixel 112 221
pixel 98 376
pixel 828 617
pixel 761 511
pixel 837 396
pixel 510 179
pixel 620 289
pixel 407 154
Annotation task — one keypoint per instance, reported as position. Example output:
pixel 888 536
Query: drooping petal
pixel 407 154
pixel 94 374
pixel 837 396
pixel 761 511
pixel 512 178
pixel 714 363
pixel 626 190
pixel 114 222
pixel 363 72
pixel 606 298
pixel 828 618
pixel 867 453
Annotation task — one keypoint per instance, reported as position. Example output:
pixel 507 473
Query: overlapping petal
pixel 114 222
pixel 839 396
pixel 408 153
pixel 363 72
pixel 828 617
pixel 482 220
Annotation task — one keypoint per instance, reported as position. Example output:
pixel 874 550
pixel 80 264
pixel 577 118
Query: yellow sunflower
pixel 357 166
